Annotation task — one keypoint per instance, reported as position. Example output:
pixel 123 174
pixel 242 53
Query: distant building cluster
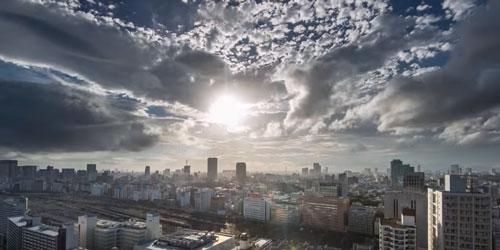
pixel 403 208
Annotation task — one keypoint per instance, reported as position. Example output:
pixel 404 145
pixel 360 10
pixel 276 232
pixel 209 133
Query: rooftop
pixel 187 239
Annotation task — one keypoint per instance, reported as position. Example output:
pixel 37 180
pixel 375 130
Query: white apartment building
pixel 256 207
pixel 460 217
pixel 398 234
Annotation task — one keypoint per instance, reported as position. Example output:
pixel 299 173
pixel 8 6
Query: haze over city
pixel 278 85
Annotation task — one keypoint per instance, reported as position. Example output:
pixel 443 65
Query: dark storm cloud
pixel 51 117
pixel 467 87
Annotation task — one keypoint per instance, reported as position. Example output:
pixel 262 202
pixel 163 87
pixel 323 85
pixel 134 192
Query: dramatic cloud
pixel 318 80
pixel 50 117
pixel 464 94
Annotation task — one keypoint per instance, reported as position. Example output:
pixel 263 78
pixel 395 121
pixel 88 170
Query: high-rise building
pixel 414 181
pixel 92 171
pixel 256 207
pixel 316 170
pixel 343 184
pixel 361 219
pixel 455 169
pixel 15 230
pixel 284 213
pixel 86 227
pixel 325 212
pixel 147 171
pixel 13 207
pixel 212 169
pixel 187 170
pixel 153 226
pixel 28 172
pixel 397 234
pixel 496 227
pixel 396 201
pixel 398 172
pixel 305 171
pixel 460 217
pixel 43 237
pixel 202 199
pixel 241 172
pixel 8 169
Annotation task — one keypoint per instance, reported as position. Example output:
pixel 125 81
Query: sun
pixel 227 110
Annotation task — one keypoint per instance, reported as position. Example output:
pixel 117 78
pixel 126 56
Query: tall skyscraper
pixel 305 171
pixel 92 172
pixel 187 170
pixel 212 169
pixel 455 169
pixel 398 172
pixel 86 227
pixel 316 169
pixel 147 171
pixel 460 217
pixel 8 169
pixel 241 172
pixel 343 184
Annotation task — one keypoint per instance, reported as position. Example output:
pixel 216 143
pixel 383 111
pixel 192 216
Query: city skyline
pixel 348 84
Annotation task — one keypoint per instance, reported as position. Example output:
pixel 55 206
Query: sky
pixel 277 84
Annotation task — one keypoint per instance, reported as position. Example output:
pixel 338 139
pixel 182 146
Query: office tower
pixel 28 172
pixel 15 230
pixel 8 169
pixel 398 172
pixel 344 184
pixel 396 201
pixel 147 171
pixel 153 226
pixel 86 227
pixel 397 234
pixel 13 207
pixel 166 172
pixel 496 227
pixel 187 170
pixel 241 172
pixel 460 217
pixel 455 169
pixel 92 172
pixel 256 207
pixel 43 237
pixel 212 169
pixel 325 213
pixel 305 171
pixel 71 235
pixel 361 219
pixel 68 173
pixel 414 181
pixel 316 169
pixel 202 199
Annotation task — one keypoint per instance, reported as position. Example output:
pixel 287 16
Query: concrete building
pixel 460 217
pixel 186 170
pixel 414 181
pixel 398 172
pixel 43 237
pixel 8 169
pixel 202 199
pixel 361 219
pixel 13 207
pixel 187 239
pixel 147 171
pixel 396 201
pixel 212 169
pixel 316 170
pixel 344 184
pixel 91 172
pixel 153 226
pixel 86 227
pixel 256 207
pixel 455 170
pixel 397 234
pixel 15 230
pixel 305 172
pixel 241 172
pixel 325 212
